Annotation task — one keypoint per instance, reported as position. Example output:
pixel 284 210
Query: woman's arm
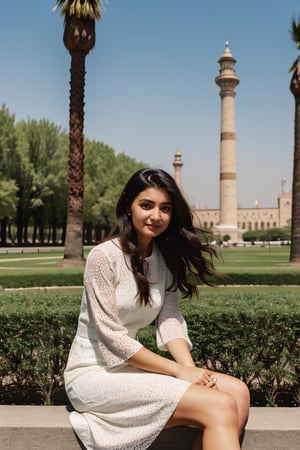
pixel 179 349
pixel 147 360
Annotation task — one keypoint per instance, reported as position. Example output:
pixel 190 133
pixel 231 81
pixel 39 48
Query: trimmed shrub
pixel 251 335
pixel 267 279
pixel 36 331
pixel 74 277
pixel 67 277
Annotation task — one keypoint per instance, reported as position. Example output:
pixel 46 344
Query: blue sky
pixel 150 86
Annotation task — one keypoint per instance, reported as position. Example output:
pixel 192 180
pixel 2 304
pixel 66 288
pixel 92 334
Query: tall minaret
pixel 177 164
pixel 227 81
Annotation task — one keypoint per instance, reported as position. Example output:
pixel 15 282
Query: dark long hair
pixel 179 244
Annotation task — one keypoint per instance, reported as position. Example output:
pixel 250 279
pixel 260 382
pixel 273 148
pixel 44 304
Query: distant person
pixel 124 394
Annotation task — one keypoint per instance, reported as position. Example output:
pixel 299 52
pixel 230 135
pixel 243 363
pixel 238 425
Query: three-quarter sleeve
pixel 170 323
pixel 115 344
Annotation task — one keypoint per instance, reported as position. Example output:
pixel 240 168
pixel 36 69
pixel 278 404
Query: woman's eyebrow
pixel 148 200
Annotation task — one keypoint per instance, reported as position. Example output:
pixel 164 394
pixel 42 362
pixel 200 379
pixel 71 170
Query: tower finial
pixel 227 49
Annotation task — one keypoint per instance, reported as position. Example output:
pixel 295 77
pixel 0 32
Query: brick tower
pixel 227 81
pixel 177 164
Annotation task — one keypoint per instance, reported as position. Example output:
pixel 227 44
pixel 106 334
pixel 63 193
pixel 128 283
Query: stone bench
pixel 48 428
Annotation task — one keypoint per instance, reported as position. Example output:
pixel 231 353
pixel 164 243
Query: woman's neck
pixel 145 250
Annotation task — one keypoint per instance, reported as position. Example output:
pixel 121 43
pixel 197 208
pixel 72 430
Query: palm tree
pixel 295 89
pixel 79 38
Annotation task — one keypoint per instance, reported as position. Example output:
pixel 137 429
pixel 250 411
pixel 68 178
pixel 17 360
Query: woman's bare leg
pixel 212 410
pixel 240 393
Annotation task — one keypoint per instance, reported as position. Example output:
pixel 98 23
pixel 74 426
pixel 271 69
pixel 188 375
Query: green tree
pixel 38 175
pixel 270 234
pixel 123 168
pixel 100 159
pixel 56 202
pixel 8 187
pixel 8 203
pixel 226 237
pixel 101 193
pixel 24 178
pixel 295 89
pixel 79 38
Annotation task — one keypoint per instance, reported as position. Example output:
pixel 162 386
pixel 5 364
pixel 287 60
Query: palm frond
pixel 295 35
pixel 295 65
pixel 295 32
pixel 86 9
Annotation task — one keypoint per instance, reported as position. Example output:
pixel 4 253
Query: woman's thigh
pixel 201 406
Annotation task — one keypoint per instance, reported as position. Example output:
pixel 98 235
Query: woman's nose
pixel 156 214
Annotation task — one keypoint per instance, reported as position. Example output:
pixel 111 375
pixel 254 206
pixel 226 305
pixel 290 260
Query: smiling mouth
pixel 149 225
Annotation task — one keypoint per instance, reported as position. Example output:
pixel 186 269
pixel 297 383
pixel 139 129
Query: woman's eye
pixel 167 208
pixel 145 205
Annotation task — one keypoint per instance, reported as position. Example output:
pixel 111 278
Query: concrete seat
pixel 48 428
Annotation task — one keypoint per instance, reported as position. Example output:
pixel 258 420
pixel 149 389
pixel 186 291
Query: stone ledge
pixel 48 428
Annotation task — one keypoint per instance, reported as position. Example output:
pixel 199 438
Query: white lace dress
pixel 118 406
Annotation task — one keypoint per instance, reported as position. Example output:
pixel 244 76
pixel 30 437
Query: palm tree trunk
pixel 295 241
pixel 74 230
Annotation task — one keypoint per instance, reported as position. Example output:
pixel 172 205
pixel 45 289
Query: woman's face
pixel 151 213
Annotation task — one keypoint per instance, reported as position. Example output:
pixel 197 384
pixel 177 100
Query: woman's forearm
pixel 179 349
pixel 151 362
pixel 147 360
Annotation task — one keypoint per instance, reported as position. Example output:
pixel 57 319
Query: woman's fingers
pixel 196 375
pixel 212 383
pixel 209 381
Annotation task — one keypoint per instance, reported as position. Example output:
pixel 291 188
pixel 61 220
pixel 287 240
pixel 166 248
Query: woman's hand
pixel 185 369
pixel 196 375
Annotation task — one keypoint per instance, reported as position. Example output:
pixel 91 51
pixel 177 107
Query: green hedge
pixel 74 277
pixel 267 279
pixel 252 335
pixel 36 331
pixel 21 279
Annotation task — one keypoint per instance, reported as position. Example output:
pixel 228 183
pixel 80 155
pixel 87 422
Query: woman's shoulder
pixel 106 254
pixel 110 248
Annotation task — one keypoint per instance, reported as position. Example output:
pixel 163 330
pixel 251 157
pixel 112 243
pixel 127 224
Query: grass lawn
pixel 230 257
pixel 254 259
pixel 32 266
pixel 16 265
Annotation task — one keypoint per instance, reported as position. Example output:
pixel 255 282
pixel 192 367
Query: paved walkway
pixel 48 428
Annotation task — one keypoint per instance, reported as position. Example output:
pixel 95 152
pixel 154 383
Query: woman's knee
pixel 235 387
pixel 205 407
pixel 242 395
pixel 227 404
pixel 221 409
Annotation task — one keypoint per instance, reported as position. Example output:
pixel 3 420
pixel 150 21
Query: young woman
pixel 124 394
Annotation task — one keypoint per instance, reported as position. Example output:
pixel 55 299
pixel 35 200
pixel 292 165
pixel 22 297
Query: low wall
pixel 48 428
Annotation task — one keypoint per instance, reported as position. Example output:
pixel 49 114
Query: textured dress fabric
pixel 116 405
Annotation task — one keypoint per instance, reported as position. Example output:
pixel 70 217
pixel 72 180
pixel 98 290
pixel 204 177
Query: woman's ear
pixel 128 212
